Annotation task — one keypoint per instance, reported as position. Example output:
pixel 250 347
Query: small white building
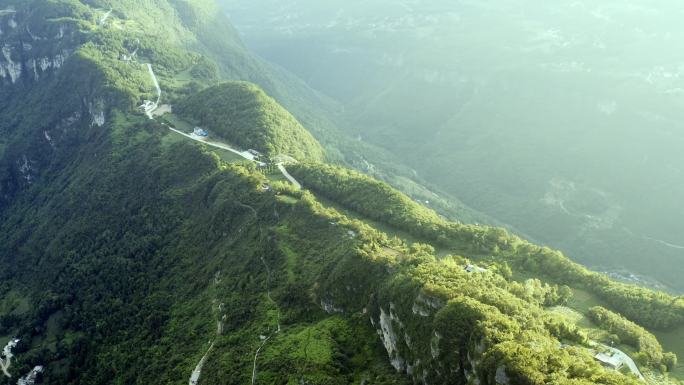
pixel 475 269
pixel 609 360
pixel 148 105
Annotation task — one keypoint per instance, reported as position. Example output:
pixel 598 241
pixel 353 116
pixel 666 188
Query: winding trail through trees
pixel 268 295
pixel 149 111
pixel 195 376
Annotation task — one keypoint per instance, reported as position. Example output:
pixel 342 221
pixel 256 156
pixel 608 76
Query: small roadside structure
pixel 475 269
pixel 148 105
pixel 200 132
pixel 254 152
pixel 610 360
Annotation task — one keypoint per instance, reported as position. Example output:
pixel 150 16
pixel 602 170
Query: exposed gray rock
pixel 501 377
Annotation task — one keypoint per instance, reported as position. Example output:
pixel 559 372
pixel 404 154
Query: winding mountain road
pixel 150 109
pixel 289 177
pixel 222 146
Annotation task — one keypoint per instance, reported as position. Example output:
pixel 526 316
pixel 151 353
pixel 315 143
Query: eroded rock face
pixel 501 376
pixel 390 340
pixel 97 112
pixel 9 68
pixel 26 169
pixel 27 56
pixel 31 377
pixel 330 308
pixel 417 346
pixel 39 67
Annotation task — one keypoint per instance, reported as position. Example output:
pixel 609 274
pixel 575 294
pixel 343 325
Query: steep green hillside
pixel 378 201
pixel 243 114
pixel 130 254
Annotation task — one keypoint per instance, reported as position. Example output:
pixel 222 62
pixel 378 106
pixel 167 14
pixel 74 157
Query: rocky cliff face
pixel 35 46
pixel 421 353
pixel 427 350
pixel 30 56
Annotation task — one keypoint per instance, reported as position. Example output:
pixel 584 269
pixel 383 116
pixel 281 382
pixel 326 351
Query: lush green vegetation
pixel 653 309
pixel 650 351
pixel 125 249
pixel 244 115
pixel 379 201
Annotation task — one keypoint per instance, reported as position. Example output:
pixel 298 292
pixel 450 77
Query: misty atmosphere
pixel 212 192
pixel 562 119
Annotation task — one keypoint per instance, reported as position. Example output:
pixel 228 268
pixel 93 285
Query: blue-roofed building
pixel 200 132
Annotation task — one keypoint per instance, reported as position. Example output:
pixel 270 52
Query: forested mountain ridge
pixel 242 113
pixel 131 255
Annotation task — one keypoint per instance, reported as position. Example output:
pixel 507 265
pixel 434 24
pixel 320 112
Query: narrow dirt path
pixel 105 17
pixel 269 278
pixel 289 177
pixel 195 376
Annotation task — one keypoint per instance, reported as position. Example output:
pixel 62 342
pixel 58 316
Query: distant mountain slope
pixel 132 255
pixel 243 114
pixel 567 111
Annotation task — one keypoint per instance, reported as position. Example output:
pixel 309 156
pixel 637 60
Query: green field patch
pixel 14 303
pixel 310 345
pixel 569 314
pixel 54 325
pixel 274 175
pixel 673 341
pixel 178 123
pixel 171 138
pixel 583 300
pixel 291 259
pixel 228 156
pixel 287 199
